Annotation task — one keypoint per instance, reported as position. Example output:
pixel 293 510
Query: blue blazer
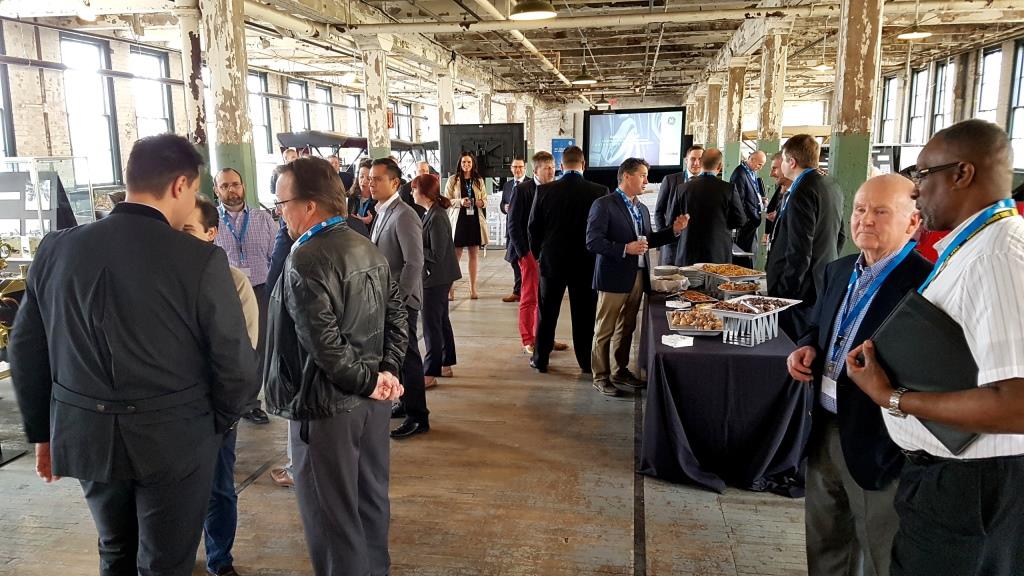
pixel 748 192
pixel 609 229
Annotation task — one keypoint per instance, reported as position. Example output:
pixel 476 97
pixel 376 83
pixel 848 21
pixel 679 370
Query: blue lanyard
pixel 316 230
pixel 994 213
pixel 633 211
pixel 364 207
pixel 238 236
pixel 469 192
pixel 848 315
pixel 753 179
pixel 789 195
pixel 711 174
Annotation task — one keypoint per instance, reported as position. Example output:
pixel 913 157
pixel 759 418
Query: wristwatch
pixel 894 403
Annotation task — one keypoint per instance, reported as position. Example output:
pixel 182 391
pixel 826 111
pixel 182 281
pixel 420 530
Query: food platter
pixel 690 330
pixel 751 306
pixel 731 271
pixel 694 297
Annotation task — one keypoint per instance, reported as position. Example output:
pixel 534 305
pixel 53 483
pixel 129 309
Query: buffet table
pixel 720 414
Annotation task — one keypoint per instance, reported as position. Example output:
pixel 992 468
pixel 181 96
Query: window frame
pixel 10 147
pixel 918 89
pixel 356 110
pixel 304 102
pixel 980 92
pixel 1016 106
pixel 264 82
pixel 940 97
pixel 327 107
pixel 108 89
pixel 887 112
pixel 165 65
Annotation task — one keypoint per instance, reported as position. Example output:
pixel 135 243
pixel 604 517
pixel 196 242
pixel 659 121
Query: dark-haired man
pixel 961 513
pixel 129 392
pixel 668 193
pixel 248 239
pixel 337 337
pixel 714 209
pixel 808 233
pixel 511 256
pixel 398 233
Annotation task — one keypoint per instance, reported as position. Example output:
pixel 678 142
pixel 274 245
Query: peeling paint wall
pixel 734 102
pixel 225 58
pixel 445 100
pixel 375 74
pixel 773 85
pixel 860 43
pixel 712 112
pixel 484 104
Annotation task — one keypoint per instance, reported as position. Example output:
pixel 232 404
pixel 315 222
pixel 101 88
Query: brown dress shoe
pixel 511 298
pixel 282 478
pixel 561 346
pixel 429 382
pixel 446 372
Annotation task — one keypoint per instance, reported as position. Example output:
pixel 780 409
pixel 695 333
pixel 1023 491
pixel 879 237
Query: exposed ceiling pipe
pixel 299 26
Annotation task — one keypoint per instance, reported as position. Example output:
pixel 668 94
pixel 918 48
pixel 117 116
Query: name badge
pixel 828 386
pixel 470 211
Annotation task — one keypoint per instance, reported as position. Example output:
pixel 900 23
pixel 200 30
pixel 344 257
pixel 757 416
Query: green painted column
pixel 733 143
pixel 853 103
pixel 226 59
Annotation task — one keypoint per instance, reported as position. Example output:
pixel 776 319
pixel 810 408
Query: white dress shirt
pixel 981 288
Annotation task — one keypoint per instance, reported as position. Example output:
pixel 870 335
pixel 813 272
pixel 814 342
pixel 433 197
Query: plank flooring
pixel 521 474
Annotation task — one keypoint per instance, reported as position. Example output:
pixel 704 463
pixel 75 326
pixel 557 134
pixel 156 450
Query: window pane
pixel 89 119
pixel 989 86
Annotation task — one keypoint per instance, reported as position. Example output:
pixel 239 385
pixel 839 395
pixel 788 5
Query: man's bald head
pixel 711 161
pixel 756 160
pixel 884 216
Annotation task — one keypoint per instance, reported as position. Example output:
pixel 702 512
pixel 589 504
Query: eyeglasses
pixel 230 185
pixel 278 203
pixel 916 176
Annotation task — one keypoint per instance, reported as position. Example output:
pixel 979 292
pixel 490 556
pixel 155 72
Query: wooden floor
pixel 521 474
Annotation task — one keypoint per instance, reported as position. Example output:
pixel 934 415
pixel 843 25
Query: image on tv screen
pixel 654 136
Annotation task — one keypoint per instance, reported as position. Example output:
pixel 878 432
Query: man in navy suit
pixel 511 256
pixel 668 192
pixel 619 232
pixel 853 465
pixel 750 189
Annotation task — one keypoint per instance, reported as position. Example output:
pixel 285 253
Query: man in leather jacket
pixel 337 336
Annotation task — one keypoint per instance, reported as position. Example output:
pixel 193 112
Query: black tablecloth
pixel 718 413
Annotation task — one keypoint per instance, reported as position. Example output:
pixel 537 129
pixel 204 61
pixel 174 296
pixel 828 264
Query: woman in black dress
pixel 469 222
pixel 440 270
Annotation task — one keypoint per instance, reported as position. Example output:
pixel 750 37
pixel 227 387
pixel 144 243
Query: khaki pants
pixel 614 327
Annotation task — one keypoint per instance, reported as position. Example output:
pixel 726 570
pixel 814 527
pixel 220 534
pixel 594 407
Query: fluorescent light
pixel 85 12
pixel 822 67
pixel 533 10
pixel 914 33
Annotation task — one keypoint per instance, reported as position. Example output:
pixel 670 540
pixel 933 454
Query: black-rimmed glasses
pixel 916 175
pixel 278 203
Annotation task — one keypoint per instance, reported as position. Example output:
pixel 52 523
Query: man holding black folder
pixel 852 463
pixel 961 513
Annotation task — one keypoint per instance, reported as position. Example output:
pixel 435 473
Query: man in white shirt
pixel 961 514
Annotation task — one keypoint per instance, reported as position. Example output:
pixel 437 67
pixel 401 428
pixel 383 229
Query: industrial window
pixel 152 98
pixel 324 112
pixel 6 117
pixel 988 85
pixel 1017 108
pixel 354 116
pixel 91 113
pixel 941 109
pixel 259 113
pixel 298 105
pixel 917 110
pixel 404 121
pixel 887 130
pixel 393 131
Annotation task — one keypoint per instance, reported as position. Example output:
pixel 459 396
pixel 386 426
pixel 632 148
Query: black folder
pixel 924 350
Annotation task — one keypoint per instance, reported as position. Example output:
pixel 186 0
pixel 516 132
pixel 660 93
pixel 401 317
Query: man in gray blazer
pixel 130 360
pixel 668 192
pixel 398 232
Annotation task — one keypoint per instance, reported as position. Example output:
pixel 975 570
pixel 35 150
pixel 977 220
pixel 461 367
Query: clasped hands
pixel 466 203
pixel 861 366
pixel 388 387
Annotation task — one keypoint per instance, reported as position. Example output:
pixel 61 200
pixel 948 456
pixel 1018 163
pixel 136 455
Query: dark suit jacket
pixel 668 193
pixel 714 210
pixel 872 457
pixel 609 228
pixel 807 237
pixel 440 266
pixel 282 245
pixel 749 194
pixel 346 179
pixel 405 191
pixel 507 190
pixel 116 314
pixel 773 206
pixel 558 227
pixel 519 208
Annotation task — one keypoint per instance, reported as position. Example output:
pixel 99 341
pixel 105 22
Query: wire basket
pixel 750 332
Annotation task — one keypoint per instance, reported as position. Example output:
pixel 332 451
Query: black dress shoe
pixel 409 428
pixel 542 368
pixel 398 410
pixel 226 571
pixel 257 416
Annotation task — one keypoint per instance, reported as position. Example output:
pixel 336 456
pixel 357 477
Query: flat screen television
pixel 494 145
pixel 654 134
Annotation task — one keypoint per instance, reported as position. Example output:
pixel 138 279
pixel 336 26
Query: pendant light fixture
pixel 915 33
pixel 532 10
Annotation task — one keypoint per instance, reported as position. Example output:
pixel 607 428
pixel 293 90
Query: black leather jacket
pixel 335 321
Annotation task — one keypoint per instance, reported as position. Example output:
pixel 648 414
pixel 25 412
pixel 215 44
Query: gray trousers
pixel 849 530
pixel 341 467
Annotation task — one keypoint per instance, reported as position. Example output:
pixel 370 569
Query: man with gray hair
pixel 853 465
pixel 750 189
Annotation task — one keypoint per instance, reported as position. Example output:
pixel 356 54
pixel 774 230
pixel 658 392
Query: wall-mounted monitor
pixel 654 134
pixel 494 145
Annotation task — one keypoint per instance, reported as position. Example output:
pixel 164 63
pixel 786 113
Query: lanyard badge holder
pixel 471 194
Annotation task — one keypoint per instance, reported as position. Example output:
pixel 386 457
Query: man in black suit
pixel 558 237
pixel 714 209
pixel 668 193
pixel 808 233
pixel 130 361
pixel 619 233
pixel 853 465
pixel 511 256
pixel 750 189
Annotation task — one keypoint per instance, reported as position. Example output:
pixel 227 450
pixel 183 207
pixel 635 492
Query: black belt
pixel 153 404
pixel 922 458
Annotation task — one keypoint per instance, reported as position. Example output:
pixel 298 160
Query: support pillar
pixel 531 130
pixel 445 100
pixel 510 112
pixel 860 43
pixel 699 130
pixel 485 107
pixel 734 115
pixel 226 59
pixel 773 94
pixel 187 12
pixel 374 53
pixel 711 112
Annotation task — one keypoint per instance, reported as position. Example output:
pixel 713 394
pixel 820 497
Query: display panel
pixel 654 135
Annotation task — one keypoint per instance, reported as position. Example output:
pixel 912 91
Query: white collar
pixel 386 204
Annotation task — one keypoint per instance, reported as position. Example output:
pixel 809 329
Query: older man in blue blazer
pixel 619 233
